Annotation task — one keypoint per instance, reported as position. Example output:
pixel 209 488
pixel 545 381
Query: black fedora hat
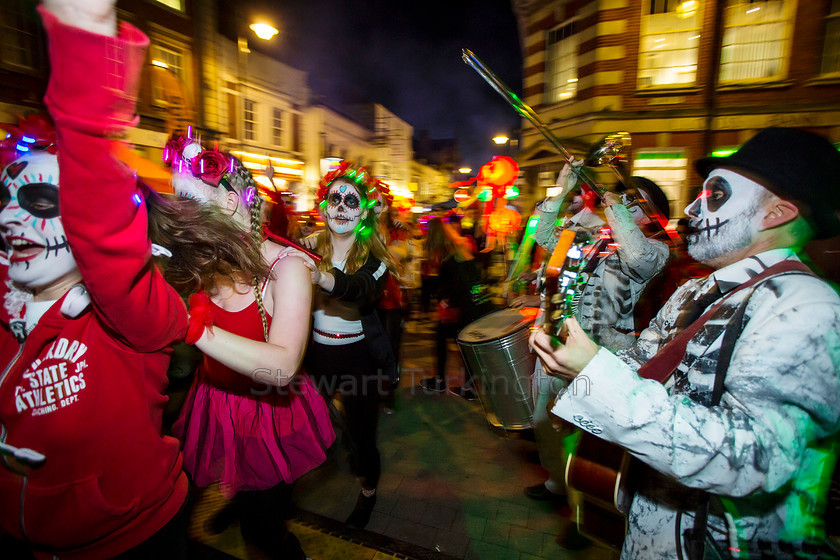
pixel 794 164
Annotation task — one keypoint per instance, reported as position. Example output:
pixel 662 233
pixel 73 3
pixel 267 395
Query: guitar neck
pixel 554 310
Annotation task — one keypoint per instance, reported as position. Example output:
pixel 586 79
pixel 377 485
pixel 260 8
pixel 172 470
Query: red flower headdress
pixel 357 175
pixel 33 132
pixel 208 165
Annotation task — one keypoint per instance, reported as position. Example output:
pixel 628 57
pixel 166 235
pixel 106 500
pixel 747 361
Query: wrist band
pixel 200 317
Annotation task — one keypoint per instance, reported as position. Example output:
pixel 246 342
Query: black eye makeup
pixel 5 195
pixel 718 192
pixel 350 200
pixel 39 199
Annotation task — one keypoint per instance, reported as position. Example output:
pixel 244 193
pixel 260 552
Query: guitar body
pixel 597 470
pixel 600 472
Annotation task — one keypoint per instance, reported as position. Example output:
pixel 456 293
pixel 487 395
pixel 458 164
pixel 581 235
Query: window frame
pixel 648 76
pixel 249 126
pixel 784 20
pixel 554 67
pixel 831 38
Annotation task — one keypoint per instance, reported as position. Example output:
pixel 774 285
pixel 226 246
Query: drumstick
pixel 289 243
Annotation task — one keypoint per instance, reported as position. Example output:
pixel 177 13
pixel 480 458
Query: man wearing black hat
pixel 742 434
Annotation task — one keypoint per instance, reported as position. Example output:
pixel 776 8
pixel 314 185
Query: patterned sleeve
pixel 782 394
pixel 641 258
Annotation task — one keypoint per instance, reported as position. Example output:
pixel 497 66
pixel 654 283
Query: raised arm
pixel 91 96
pixel 640 258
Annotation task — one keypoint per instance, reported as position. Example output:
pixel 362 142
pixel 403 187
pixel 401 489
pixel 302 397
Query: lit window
pixel 278 127
pixel 668 169
pixel 756 40
pixel 20 37
pixel 669 43
pixel 249 119
pixel 561 63
pixel 168 58
pixel 831 48
pixel 174 4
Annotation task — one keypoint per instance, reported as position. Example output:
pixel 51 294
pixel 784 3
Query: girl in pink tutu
pixel 252 420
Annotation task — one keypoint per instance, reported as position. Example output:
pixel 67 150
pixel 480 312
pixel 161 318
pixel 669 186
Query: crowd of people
pixel 710 355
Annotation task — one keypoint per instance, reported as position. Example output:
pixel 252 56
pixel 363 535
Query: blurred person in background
pixel 462 298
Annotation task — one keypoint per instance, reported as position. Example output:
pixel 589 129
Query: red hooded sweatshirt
pixel 87 392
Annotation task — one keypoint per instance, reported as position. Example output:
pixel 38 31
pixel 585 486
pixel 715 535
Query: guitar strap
pixel 661 366
pixel 665 362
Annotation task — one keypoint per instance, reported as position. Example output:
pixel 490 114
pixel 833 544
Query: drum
pixel 495 350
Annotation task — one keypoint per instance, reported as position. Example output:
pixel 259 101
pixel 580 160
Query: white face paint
pixel 725 216
pixel 344 206
pixel 380 207
pixel 38 251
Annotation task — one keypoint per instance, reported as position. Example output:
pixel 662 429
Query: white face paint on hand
pixel 344 207
pixel 725 216
pixel 39 253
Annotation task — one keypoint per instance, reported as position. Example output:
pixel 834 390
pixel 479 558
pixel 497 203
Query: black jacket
pixel 364 288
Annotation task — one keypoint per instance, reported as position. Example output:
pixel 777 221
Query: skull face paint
pixel 38 251
pixel 344 207
pixel 380 206
pixel 725 216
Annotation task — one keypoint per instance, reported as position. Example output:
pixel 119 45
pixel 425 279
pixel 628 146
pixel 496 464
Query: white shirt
pixel 763 447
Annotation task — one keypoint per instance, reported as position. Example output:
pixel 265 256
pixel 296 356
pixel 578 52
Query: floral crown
pixel 33 132
pixel 357 175
pixel 210 166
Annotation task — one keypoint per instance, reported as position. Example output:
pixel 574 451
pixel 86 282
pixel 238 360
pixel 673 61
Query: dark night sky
pixel 406 55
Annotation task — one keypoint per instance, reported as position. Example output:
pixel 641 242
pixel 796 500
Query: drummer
pixel 605 310
pixel 462 298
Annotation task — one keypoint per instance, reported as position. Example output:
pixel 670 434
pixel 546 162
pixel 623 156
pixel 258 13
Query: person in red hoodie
pixel 85 472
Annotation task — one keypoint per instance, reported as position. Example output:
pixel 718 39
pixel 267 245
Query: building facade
pixel 686 78
pixel 204 76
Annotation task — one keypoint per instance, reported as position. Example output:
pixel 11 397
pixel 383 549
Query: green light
pixel 724 153
pixel 484 196
pixel 512 192
pixel 533 222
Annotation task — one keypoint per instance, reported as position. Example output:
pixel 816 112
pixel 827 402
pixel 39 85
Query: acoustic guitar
pixel 598 470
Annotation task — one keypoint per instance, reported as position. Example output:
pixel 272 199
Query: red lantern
pixel 500 171
pixel 504 220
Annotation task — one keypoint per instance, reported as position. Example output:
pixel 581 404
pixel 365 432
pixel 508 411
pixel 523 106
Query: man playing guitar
pixel 731 396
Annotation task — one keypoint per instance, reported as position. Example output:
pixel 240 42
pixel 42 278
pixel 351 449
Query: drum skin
pixel 495 350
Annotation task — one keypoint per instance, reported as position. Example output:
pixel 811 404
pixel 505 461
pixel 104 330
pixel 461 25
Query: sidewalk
pixel 451 487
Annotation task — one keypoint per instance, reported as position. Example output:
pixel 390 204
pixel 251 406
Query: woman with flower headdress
pixel 350 353
pixel 252 421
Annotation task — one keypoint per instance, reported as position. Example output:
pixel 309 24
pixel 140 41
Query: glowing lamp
pixel 504 220
pixel 500 171
pixel 263 30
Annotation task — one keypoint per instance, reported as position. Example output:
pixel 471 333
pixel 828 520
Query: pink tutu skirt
pixel 253 442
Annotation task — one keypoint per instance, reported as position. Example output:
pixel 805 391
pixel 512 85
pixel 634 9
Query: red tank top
pixel 247 323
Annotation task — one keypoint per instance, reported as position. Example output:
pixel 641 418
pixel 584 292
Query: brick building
pixel 686 78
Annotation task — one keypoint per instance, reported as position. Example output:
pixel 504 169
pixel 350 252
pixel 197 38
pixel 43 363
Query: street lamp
pixel 263 30
pixel 501 139
pixel 465 170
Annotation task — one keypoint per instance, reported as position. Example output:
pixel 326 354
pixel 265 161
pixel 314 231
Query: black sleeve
pixel 364 286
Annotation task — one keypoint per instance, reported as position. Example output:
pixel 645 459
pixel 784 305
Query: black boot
pixel 361 513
